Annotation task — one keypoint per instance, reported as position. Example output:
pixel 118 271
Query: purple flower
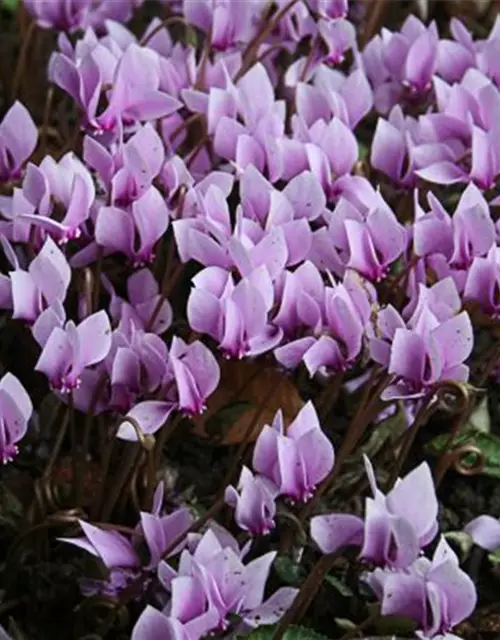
pixel 337 321
pixel 461 238
pixel 483 282
pixel 330 8
pixel 119 553
pixel 253 502
pixel 127 173
pixel 228 24
pixel 332 94
pixel 70 15
pixel 144 297
pixel 295 459
pixel 133 232
pixel 485 532
pixel 135 96
pixel 15 411
pixel 395 527
pixel 149 416
pixel 18 137
pixel 211 583
pixel 400 65
pixel 234 315
pixel 436 594
pixel 69 349
pixel 196 374
pixel 423 355
pixel 45 282
pixel 53 186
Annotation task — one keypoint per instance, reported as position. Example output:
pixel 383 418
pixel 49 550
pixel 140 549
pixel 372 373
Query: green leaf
pixel 494 557
pixel 338 585
pixel 488 443
pixel 394 625
pixel 9 5
pixel 288 570
pixel 345 624
pixel 463 541
pixel 476 431
pixel 292 633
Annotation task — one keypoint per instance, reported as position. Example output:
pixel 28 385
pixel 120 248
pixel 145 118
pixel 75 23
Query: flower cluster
pixel 289 462
pixel 231 155
pixel 436 594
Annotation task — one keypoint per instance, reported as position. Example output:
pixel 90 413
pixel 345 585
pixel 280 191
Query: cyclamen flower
pixel 483 282
pixel 337 319
pixel 127 173
pixel 253 502
pixel 45 281
pixel 421 356
pixel 135 95
pixel 70 15
pixel 436 594
pixel 295 459
pixel 331 94
pixel 485 532
pixel 211 583
pixel 16 409
pixel 70 348
pixel 228 24
pixel 53 186
pixel 135 232
pixel 196 374
pixel 18 137
pixel 145 304
pixel 401 65
pixel 395 528
pixel 149 416
pixel 460 238
pixel 234 315
pixel 119 553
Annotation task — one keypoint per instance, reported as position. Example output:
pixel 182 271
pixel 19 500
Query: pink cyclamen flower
pixel 133 232
pixel 120 554
pixel 211 583
pixel 485 532
pixel 234 315
pixel 45 281
pixel 436 594
pixel 15 411
pixel 69 349
pixel 196 374
pixel 424 354
pixel 483 282
pixel 148 416
pixel 53 186
pixel 295 459
pixel 18 137
pixel 253 502
pixel 394 529
pixel 70 15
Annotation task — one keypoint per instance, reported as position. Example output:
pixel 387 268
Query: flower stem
pixel 307 592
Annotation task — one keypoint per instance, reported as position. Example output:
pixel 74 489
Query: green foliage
pixel 289 571
pixel 476 431
pixel 9 5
